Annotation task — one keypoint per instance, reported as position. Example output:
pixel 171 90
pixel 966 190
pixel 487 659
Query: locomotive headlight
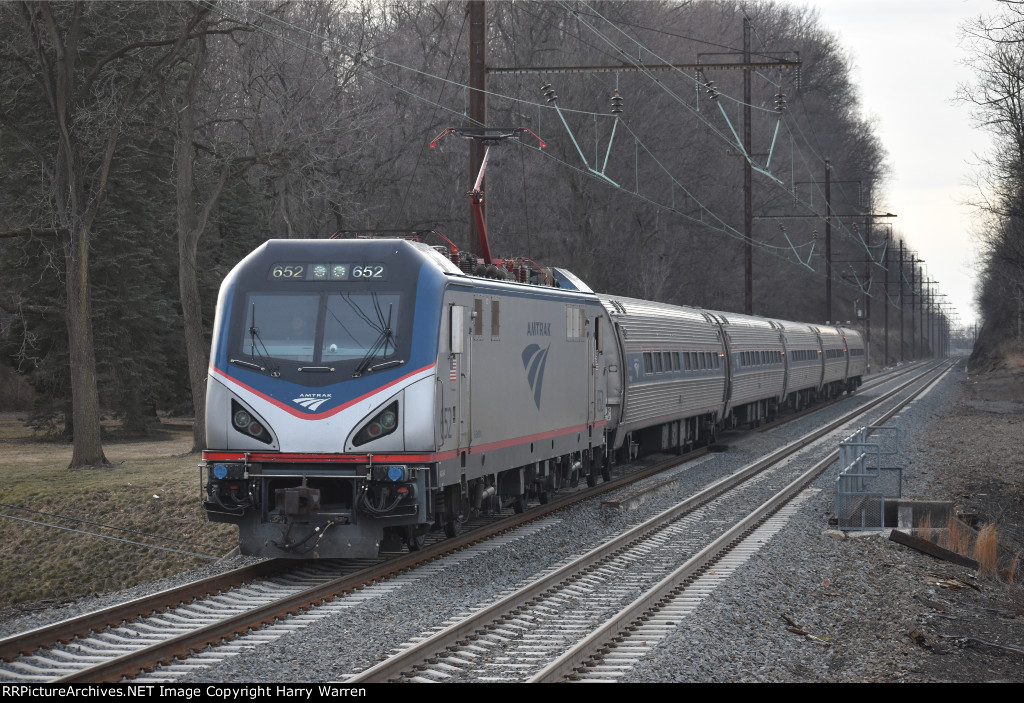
pixel 248 424
pixel 242 419
pixel 383 423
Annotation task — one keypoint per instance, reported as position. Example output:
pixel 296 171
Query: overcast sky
pixel 907 62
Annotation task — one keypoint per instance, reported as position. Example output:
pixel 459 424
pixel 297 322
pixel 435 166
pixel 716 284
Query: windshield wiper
pixel 384 340
pixel 254 351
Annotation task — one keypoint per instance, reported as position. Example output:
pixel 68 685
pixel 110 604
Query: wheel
pixel 456 511
pixel 453 527
pixel 519 504
pixel 592 477
pixel 414 539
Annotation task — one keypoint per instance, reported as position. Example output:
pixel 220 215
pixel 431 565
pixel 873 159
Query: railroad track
pixel 102 646
pixel 593 617
pixel 123 640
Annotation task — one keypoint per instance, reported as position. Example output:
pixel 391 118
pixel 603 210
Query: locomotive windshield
pixel 350 331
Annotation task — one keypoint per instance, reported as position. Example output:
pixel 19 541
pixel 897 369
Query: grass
pixel 982 546
pixel 153 488
pixel 986 550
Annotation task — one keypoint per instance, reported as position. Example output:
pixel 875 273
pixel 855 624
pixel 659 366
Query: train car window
pixel 575 322
pixel 675 361
pixel 648 364
pixel 495 318
pixel 478 317
pixel 657 363
pixel 598 334
pixel 458 313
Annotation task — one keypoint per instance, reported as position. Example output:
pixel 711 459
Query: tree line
pixel 996 46
pixel 148 147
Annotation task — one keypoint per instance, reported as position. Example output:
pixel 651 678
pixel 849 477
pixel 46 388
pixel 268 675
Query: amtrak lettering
pixel 534 359
pixel 538 329
pixel 312 401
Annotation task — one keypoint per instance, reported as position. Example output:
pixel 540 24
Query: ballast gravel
pixel 810 605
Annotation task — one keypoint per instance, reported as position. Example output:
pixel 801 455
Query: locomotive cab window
pixel 321 328
pixel 311 322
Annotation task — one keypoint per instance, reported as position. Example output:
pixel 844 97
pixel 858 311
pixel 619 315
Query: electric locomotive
pixel 362 391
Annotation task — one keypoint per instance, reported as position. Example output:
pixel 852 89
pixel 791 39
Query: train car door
pixel 593 387
pixel 846 348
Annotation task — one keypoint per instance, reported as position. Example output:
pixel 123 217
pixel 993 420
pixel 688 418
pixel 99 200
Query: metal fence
pixel 864 482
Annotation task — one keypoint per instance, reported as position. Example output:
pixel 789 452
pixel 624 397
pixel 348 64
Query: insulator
pixel 709 87
pixel 814 234
pixel 780 102
pixel 616 103
pixel 548 92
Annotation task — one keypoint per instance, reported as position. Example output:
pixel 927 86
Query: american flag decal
pixel 454 372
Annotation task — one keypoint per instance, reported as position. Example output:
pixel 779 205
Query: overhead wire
pixel 364 58
pixel 661 84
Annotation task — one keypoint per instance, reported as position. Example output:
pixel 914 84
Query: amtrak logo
pixel 312 401
pixel 534 359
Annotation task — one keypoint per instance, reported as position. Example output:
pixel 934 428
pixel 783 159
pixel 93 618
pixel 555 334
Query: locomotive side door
pixel 474 330
pixel 453 399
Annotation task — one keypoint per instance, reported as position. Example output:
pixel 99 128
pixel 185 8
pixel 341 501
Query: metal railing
pixel 864 483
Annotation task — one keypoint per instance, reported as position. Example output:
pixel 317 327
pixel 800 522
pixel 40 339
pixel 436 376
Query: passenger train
pixel 363 391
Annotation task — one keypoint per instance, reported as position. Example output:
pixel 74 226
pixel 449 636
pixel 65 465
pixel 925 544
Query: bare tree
pixel 997 97
pixel 81 72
